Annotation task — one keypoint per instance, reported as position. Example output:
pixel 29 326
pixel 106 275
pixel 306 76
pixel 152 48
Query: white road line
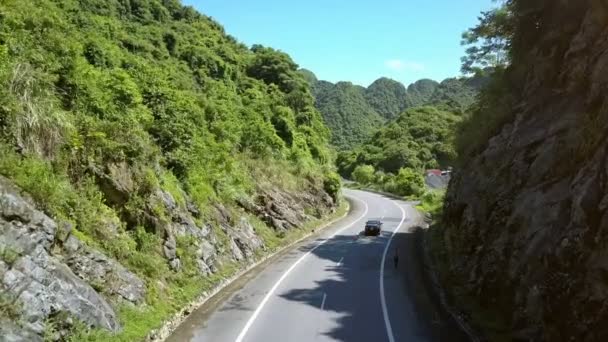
pixel 323 301
pixel 339 262
pixel 387 321
pixel 276 285
pixel 321 316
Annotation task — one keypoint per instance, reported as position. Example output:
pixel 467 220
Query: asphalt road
pixel 338 286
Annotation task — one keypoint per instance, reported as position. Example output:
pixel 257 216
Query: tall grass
pixel 38 124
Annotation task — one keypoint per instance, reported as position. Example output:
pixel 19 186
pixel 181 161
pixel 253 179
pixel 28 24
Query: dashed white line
pixel 320 316
pixel 276 285
pixel 323 301
pixel 340 262
pixel 387 321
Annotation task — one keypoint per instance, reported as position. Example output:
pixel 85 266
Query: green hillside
pixel 353 113
pixel 419 138
pixel 157 85
pixel 420 92
pixel 387 97
pixel 346 113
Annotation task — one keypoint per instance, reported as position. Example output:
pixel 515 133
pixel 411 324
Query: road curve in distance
pixel 333 287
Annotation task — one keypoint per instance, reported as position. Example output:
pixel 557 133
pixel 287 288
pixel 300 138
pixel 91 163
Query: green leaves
pixel 419 138
pixel 363 174
pixel 387 97
pixel 489 42
pixel 346 112
pixel 354 113
pixel 408 182
pixel 151 83
pixel 274 67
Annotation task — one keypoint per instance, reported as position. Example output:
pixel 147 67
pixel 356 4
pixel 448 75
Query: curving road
pixel 338 286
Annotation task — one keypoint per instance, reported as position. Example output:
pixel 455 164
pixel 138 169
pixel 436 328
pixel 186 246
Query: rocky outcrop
pixel 47 274
pixel 282 210
pixel 277 208
pixel 45 271
pixel 102 272
pixel 527 218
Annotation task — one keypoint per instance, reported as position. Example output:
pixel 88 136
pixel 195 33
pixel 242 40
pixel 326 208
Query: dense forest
pixel 117 117
pixel 347 113
pixel 353 113
pixel 387 97
pixel 152 84
pixel 420 138
pixel 386 131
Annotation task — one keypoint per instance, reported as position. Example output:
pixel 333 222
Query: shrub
pixel 332 185
pixel 408 182
pixel 432 202
pixel 363 174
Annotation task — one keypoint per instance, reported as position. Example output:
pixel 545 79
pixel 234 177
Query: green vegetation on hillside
pixel 489 53
pixel 489 42
pixel 387 97
pixel 309 76
pixel 354 113
pixel 419 138
pixel 104 103
pixel 420 92
pixel 458 94
pixel 346 112
pixel 88 83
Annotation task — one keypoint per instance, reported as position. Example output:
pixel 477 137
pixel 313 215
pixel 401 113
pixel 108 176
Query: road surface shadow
pixel 426 320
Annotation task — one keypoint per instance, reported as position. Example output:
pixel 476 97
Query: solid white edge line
pixel 276 285
pixel 387 321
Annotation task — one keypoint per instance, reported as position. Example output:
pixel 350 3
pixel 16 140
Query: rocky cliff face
pixel 36 283
pixel 49 276
pixel 527 219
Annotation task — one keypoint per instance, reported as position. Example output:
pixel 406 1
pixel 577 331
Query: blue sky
pixel 356 40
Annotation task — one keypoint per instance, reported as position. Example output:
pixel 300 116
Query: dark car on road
pixel 373 227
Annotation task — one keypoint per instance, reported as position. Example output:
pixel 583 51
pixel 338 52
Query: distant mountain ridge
pixel 353 113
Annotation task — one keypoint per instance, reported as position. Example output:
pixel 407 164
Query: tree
pixel 346 112
pixel 489 42
pixel 417 138
pixel 274 67
pixel 387 97
pixel 332 185
pixel 364 174
pixel 408 182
